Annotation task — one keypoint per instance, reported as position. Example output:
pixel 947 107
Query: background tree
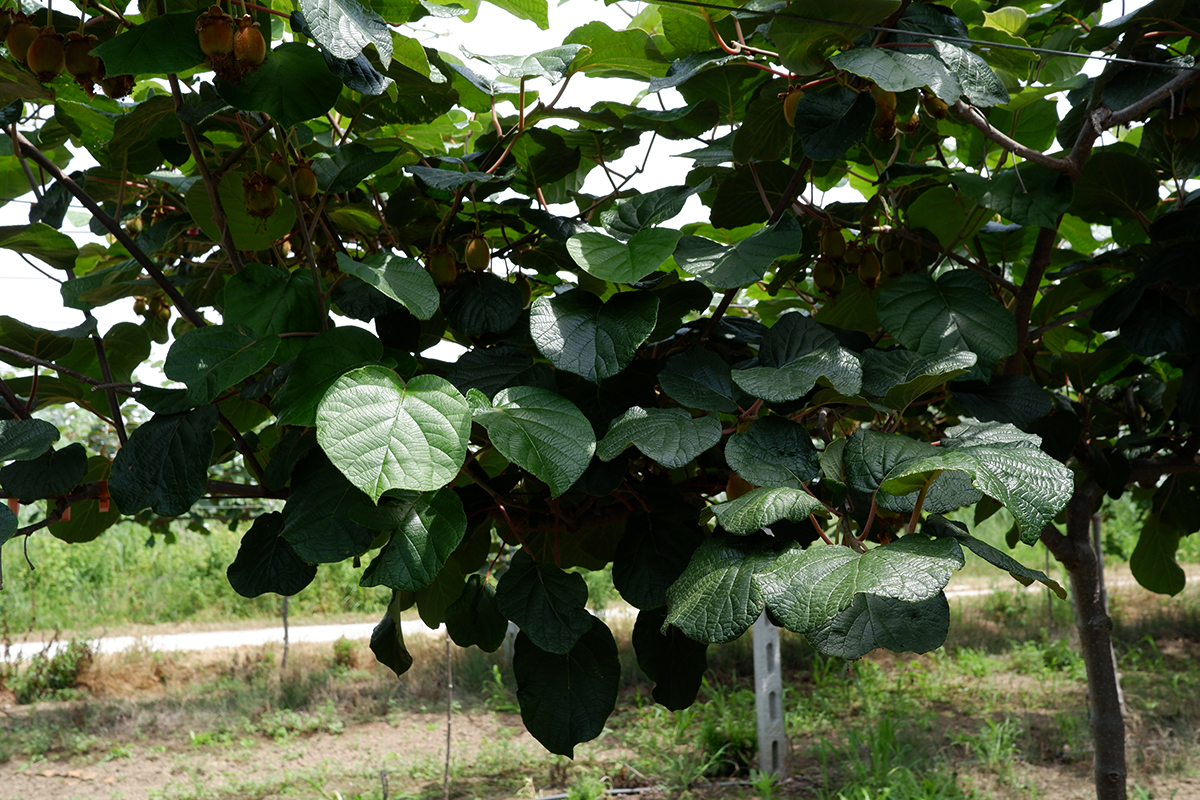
pixel 771 410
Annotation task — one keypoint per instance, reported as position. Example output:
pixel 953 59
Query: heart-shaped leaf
pixel 774 451
pixel 211 359
pixel 591 339
pixel 545 602
pixel 542 432
pixel 623 262
pixel 384 435
pixel 404 280
pixel 434 525
pixel 759 508
pixel 670 436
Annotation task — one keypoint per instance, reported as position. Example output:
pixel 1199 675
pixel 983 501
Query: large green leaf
pixel 566 698
pixel 292 85
pixel 748 260
pixel 22 439
pixel 805 589
pixel 8 524
pixel 536 11
pixel 436 599
pixel 164 465
pixel 898 71
pixel 53 472
pixel 699 379
pixel 774 451
pixel 1153 561
pixel 345 27
pixel 343 168
pixel 317 517
pixel 270 300
pixel 670 436
pixel 655 549
pixel 404 280
pixel 718 596
pixel 475 618
pixel 674 662
pixel 158 46
pixel 1029 195
pixel 434 525
pixel 641 212
pixel 44 344
pixel 830 122
pixel 211 359
pixel 480 302
pixel 823 26
pixel 620 54
pixel 42 242
pixel 761 507
pixel 552 64
pixel 266 562
pixel 1005 464
pixel 936 525
pixel 384 435
pixel 871 456
pixel 954 313
pixel 840 367
pixel 623 262
pixel 979 84
pixel 324 359
pixel 871 622
pixel 591 339
pixel 545 602
pixel 542 432
pixel 902 376
pixel 387 640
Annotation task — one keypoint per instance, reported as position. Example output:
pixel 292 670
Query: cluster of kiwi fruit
pixel 889 255
pixel 47 54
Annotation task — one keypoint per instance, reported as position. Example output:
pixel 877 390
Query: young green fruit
pixel 828 277
pixel 893 263
pixel 522 284
pixel 20 36
pixel 477 254
pixel 868 271
pixel 832 244
pixel 117 86
pixel 1181 129
pixel 249 47
pixel 441 265
pixel 6 20
pixel 790 101
pixel 306 182
pixel 215 29
pixel 259 194
pixel 81 64
pixel 46 57
pixel 934 106
pixel 276 169
pixel 852 256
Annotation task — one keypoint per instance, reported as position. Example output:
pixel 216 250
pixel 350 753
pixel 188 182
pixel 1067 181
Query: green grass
pixel 133 577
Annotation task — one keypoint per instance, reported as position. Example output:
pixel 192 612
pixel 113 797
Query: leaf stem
pixel 114 405
pixel 916 515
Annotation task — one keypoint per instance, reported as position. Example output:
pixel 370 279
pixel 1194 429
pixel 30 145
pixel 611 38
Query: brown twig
pixel 114 405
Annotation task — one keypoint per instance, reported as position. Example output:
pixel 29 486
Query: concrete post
pixel 768 698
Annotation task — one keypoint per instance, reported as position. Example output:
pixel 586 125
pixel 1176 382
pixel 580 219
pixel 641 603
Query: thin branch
pixel 41 362
pixel 1039 262
pixel 115 228
pixel 241 149
pixel 211 182
pixel 972 116
pixel 790 193
pixel 14 403
pixel 1041 331
pixel 114 405
pixel 243 447
pixel 33 184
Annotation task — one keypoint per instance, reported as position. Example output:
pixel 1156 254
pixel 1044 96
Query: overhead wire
pixel 942 37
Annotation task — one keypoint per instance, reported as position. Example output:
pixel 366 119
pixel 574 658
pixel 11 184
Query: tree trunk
pixel 1082 562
